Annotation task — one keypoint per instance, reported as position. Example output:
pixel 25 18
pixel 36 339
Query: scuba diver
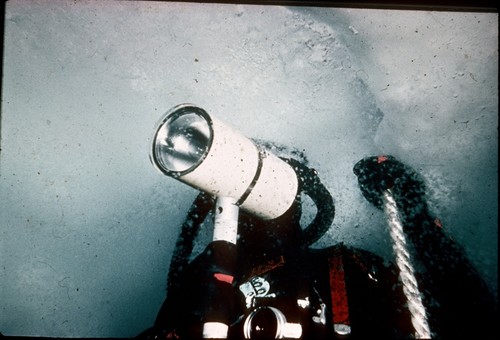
pixel 271 284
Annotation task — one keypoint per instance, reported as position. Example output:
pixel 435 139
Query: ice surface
pixel 88 225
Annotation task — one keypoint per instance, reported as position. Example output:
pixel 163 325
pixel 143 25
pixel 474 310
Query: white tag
pixel 256 287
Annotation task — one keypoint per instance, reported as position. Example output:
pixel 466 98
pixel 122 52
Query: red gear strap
pixel 224 277
pixel 340 307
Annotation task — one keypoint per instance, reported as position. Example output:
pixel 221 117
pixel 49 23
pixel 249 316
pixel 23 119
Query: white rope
pixel 406 271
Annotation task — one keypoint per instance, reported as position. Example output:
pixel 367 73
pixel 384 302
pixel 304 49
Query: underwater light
pixel 198 149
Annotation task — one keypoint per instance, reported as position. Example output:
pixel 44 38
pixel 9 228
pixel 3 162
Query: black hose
pixel 310 184
pixel 197 213
pixel 199 210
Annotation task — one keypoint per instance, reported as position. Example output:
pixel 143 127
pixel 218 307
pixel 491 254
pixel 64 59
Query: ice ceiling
pixel 87 224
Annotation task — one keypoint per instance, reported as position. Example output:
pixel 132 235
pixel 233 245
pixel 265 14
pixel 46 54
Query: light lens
pixel 182 140
pixel 264 324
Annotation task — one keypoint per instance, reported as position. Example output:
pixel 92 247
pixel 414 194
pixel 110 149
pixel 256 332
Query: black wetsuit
pixel 335 292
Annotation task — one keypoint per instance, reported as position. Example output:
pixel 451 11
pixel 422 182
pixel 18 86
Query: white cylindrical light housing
pixel 205 153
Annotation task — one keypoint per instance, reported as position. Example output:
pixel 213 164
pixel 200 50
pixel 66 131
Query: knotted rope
pixel 406 271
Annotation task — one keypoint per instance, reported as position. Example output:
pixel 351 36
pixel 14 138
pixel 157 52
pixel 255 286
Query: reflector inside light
pixel 182 140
